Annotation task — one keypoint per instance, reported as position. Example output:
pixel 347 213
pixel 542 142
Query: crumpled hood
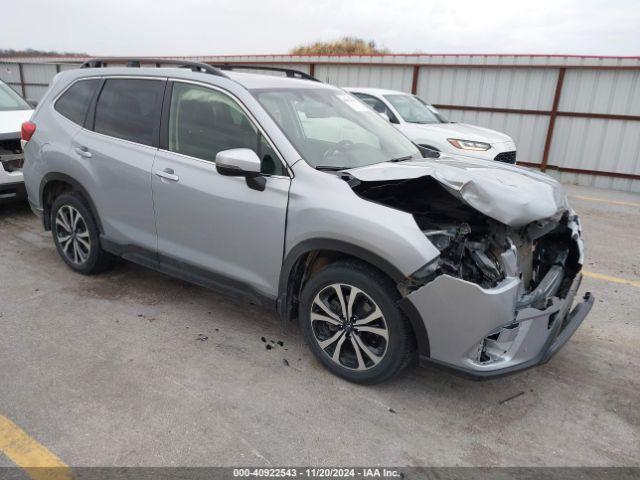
pixel 509 194
pixel 462 131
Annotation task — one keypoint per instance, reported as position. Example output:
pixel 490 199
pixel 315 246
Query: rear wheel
pixel 76 235
pixel 353 325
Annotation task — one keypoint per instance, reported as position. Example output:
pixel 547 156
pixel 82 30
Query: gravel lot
pixel 135 368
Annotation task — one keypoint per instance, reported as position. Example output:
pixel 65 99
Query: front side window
pixel 330 128
pixel 130 109
pixel 203 122
pixel 74 103
pixel 378 105
pixel 10 100
pixel 414 110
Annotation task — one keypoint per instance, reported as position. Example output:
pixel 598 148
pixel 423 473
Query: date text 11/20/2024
pixel 318 472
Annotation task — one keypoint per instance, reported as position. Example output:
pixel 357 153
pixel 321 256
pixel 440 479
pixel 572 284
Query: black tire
pixel 377 287
pixel 97 260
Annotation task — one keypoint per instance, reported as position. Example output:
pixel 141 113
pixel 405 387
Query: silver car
pixel 297 196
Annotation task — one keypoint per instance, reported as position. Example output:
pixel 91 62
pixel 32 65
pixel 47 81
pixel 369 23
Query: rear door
pixel 118 148
pixel 216 228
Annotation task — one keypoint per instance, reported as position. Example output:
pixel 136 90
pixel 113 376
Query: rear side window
pixel 74 103
pixel 130 109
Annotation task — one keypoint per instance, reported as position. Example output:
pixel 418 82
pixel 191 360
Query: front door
pixel 215 228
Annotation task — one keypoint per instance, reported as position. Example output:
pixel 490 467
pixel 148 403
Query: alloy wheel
pixel 72 235
pixel 349 327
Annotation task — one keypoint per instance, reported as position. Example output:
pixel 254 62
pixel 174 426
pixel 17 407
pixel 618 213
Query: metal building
pixel 575 117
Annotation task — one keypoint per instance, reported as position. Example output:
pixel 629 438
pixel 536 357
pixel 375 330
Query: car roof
pixel 375 91
pixel 251 81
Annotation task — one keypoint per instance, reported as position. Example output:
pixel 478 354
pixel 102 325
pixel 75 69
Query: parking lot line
pixel 35 459
pixel 605 200
pixel 600 276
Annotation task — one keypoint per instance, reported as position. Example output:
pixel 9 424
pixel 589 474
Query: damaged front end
pixel 498 297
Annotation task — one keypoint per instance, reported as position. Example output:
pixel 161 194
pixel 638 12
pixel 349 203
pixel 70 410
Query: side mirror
pixel 384 115
pixel 427 152
pixel 238 162
pixel 241 162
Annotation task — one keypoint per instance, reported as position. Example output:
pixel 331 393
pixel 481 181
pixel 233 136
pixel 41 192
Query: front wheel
pixel 350 319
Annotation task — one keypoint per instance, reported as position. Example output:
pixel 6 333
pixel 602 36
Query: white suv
pixel 427 127
pixel 13 112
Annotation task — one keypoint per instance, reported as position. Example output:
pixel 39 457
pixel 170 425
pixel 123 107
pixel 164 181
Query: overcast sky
pixel 212 27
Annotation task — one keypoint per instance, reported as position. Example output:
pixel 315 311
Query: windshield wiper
pixel 401 159
pixel 329 168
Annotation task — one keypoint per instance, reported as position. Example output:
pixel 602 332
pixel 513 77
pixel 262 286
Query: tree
pixel 343 46
pixel 30 52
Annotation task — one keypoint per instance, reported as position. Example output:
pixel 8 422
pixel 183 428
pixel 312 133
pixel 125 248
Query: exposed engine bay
pixel 11 155
pixel 474 247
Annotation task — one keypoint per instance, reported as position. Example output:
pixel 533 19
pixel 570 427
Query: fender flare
pixel 307 246
pixel 285 294
pixel 53 176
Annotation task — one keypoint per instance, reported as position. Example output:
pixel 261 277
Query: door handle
pixel 83 152
pixel 168 174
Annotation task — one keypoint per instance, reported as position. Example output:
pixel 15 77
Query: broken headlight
pixel 466 257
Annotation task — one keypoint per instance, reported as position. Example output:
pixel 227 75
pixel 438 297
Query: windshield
pixel 331 128
pixel 413 110
pixel 10 100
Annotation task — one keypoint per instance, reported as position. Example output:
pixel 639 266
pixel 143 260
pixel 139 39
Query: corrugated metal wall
pixel 578 118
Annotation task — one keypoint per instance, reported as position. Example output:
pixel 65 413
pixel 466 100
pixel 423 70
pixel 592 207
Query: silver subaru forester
pixel 297 196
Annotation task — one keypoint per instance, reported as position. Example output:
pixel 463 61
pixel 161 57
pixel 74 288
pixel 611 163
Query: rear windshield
pixel 331 128
pixel 10 100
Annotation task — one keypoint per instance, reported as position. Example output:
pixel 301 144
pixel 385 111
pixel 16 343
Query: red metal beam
pixel 521 111
pixel 524 111
pixel 414 79
pixel 603 116
pixel 552 119
pixel 22 84
pixel 629 176
pixel 444 65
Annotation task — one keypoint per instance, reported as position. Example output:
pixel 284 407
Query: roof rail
pixel 291 73
pixel 137 62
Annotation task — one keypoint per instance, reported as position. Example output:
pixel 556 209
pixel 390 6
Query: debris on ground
pixel 391 410
pixel 285 362
pixel 511 398
pixel 271 343
pixel 202 338
pixel 268 347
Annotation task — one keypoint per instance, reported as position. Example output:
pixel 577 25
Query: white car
pixel 13 111
pixel 427 127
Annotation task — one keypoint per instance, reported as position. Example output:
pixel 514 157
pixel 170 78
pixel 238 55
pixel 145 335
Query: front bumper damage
pixel 462 319
pixel 11 163
pixel 499 296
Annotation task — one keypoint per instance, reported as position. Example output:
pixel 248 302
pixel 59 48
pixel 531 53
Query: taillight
pixel 27 131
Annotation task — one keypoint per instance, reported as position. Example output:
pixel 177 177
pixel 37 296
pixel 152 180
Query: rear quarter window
pixel 130 109
pixel 74 103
